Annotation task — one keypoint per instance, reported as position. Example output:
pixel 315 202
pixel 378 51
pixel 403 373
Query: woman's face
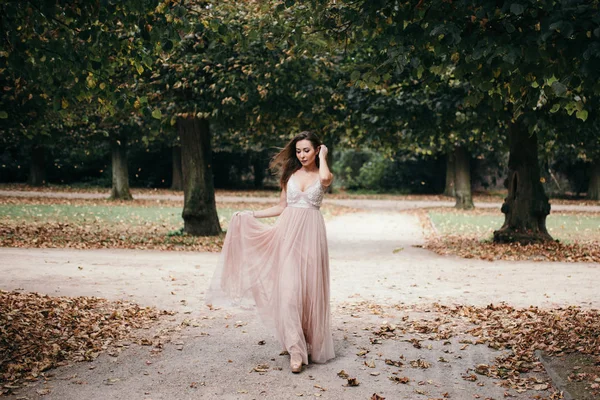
pixel 305 152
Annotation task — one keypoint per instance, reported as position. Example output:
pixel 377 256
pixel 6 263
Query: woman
pixel 284 269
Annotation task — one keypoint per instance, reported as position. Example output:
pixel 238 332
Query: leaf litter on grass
pixel 468 247
pixel 472 239
pixel 93 224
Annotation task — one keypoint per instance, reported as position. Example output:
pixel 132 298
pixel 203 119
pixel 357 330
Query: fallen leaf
pixel 399 379
pixel 353 382
pixel 394 363
pixel 342 374
pixel 261 368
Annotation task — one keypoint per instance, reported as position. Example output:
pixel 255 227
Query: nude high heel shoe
pixel 296 363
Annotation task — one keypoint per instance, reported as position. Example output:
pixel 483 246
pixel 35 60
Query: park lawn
pixel 495 196
pixel 567 227
pixel 138 224
pixel 103 214
pixel 468 234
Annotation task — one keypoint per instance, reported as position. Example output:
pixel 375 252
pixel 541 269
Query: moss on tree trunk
pixel 37 167
pixel 177 176
pixel 462 179
pixel 450 171
pixel 120 173
pixel 526 206
pixel 593 192
pixel 199 209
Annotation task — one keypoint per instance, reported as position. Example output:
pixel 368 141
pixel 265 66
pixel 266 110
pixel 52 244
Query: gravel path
pixel 372 259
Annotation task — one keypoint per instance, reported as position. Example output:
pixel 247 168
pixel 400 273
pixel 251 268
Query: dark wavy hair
pixel 286 163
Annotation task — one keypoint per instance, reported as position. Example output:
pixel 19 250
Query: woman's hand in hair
pixel 324 173
pixel 323 150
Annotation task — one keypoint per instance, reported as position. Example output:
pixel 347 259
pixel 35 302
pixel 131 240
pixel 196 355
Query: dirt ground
pixel 213 353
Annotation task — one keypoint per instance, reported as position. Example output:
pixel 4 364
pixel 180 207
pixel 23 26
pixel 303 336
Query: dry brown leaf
pixel 342 374
pixel 399 379
pixel 353 382
pixel 39 332
pixel 420 364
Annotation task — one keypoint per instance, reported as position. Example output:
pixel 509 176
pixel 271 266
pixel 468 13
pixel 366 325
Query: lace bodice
pixel 312 197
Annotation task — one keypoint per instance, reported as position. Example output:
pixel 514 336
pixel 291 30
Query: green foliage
pixel 241 66
pixel 347 167
pixel 372 171
pixel 528 57
pixel 58 57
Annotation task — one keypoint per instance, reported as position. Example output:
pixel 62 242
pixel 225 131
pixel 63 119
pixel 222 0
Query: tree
pixel 120 172
pixel 64 63
pixel 37 173
pixel 594 185
pixel 232 73
pixel 412 116
pixel 578 141
pixel 462 178
pixel 177 174
pixel 499 48
pixel 199 209
pixel 450 189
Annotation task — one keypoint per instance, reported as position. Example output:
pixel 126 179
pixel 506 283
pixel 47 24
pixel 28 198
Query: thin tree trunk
pixel 593 192
pixel 526 206
pixel 37 169
pixel 462 179
pixel 259 166
pixel 199 209
pixel 450 189
pixel 120 173
pixel 177 177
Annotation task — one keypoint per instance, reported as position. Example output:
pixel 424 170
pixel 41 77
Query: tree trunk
pixel 450 173
pixel 37 170
pixel 199 209
pixel 177 179
pixel 120 173
pixel 462 179
pixel 593 192
pixel 259 166
pixel 526 205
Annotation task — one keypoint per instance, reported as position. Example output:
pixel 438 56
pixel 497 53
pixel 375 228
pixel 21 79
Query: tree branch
pixel 52 18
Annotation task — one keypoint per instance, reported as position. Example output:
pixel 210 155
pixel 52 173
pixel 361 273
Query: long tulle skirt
pixel 284 270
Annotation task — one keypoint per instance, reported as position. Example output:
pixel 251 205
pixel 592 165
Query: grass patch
pixel 468 234
pixel 93 223
pixel 565 227
pixel 133 215
pixel 83 213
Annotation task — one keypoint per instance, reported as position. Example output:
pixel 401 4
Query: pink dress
pixel 284 270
